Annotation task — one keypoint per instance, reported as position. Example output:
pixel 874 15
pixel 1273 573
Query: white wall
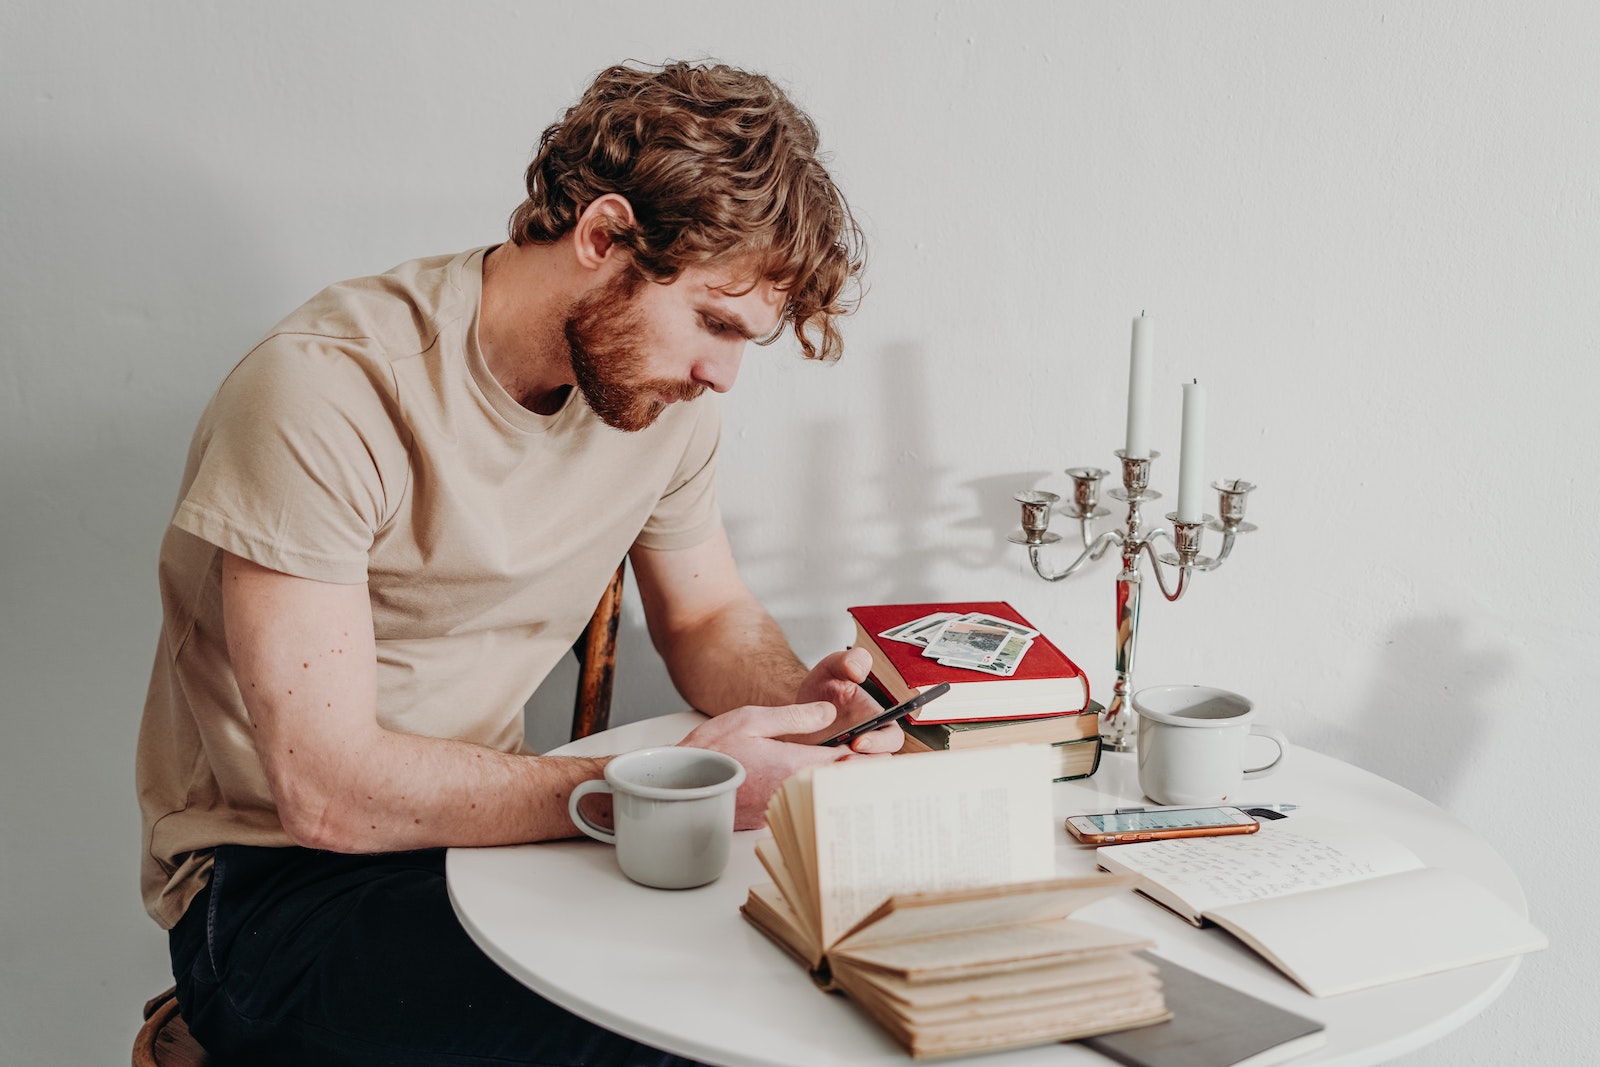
pixel 1369 228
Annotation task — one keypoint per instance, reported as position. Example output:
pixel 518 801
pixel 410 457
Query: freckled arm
pixel 305 659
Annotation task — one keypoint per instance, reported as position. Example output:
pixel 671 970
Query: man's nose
pixel 718 369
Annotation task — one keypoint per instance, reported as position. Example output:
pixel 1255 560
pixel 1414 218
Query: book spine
pixel 1093 766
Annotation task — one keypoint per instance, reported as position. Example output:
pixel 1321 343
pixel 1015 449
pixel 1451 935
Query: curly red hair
pixel 717 164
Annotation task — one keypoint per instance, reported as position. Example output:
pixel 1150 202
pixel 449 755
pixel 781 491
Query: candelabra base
pixel 1112 744
pixel 1118 728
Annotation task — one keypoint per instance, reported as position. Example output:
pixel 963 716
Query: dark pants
pixel 294 957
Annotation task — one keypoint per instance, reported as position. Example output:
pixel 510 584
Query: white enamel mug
pixel 1192 742
pixel 672 809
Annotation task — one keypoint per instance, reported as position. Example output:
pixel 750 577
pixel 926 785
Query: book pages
pixel 766 909
pixel 804 920
pixel 1333 905
pixel 907 916
pixel 1195 875
pixel 928 821
pixel 923 888
pixel 991 951
pixel 1085 1001
pixel 1385 929
pixel 1047 978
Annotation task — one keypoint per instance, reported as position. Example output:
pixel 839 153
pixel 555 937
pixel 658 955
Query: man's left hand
pixel 835 679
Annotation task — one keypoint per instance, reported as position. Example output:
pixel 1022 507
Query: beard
pixel 604 331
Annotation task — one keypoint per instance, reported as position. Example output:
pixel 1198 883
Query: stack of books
pixel 1041 697
pixel 924 889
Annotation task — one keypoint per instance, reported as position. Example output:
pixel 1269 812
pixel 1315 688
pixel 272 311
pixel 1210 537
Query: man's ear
pixel 593 234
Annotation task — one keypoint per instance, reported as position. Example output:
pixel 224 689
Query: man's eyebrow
pixel 734 320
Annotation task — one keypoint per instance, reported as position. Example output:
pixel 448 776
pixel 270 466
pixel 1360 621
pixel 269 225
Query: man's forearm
pixel 340 780
pixel 403 791
pixel 735 657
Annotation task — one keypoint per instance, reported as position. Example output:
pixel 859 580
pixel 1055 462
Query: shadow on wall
pixel 1427 720
pixel 862 526
pixel 998 515
pixel 903 551
pixel 812 554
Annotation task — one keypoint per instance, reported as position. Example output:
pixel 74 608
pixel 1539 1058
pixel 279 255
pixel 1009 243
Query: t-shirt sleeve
pixel 687 512
pixel 299 461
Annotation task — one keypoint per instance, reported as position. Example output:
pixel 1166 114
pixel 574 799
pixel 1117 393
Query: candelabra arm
pixel 1091 551
pixel 1085 522
pixel 1155 565
pixel 1222 554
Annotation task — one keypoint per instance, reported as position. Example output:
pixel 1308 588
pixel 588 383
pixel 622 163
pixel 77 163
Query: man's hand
pixel 724 650
pixel 755 736
pixel 835 679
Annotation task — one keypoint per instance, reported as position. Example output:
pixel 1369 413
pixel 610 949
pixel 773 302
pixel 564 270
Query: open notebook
pixel 1334 906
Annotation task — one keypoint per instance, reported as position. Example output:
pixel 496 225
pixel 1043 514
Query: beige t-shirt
pixel 364 440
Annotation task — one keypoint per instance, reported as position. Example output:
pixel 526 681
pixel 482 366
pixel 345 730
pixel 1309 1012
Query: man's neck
pixel 525 297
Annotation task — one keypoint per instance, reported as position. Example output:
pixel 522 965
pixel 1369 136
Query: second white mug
pixel 1192 740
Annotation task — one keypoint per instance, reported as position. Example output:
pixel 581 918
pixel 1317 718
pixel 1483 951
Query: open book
pixel 1333 906
pixel 923 888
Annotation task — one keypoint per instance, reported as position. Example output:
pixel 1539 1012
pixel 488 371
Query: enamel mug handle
pixel 581 821
pixel 1276 737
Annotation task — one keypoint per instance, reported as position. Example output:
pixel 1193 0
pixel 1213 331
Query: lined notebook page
pixel 1210 872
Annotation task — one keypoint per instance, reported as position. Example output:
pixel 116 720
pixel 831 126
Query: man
pixel 398 511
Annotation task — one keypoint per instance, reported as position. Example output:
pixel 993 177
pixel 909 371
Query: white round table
pixel 681 970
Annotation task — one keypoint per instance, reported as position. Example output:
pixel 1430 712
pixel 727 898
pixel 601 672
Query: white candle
pixel 1192 458
pixel 1139 359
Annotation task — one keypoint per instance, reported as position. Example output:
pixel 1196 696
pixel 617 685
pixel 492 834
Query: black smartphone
pixel 894 714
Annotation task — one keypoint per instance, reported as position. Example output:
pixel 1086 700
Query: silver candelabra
pixel 1116 724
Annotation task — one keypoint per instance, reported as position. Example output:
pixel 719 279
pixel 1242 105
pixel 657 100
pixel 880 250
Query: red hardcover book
pixel 1046 681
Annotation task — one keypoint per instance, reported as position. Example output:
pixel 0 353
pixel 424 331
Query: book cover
pixel 1212 1025
pixel 1074 759
pixel 1046 681
pixel 1044 730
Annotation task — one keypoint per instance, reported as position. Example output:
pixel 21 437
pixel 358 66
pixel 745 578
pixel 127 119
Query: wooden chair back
pixel 596 650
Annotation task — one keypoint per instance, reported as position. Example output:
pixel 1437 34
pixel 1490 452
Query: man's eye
pixel 713 325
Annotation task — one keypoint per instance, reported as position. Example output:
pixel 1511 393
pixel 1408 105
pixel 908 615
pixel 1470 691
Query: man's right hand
pixel 750 735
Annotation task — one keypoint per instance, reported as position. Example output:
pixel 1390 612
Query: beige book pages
pixel 908 916
pixel 766 909
pixel 1086 1001
pixel 1018 1031
pixel 804 911
pixel 1048 978
pixel 928 821
pixel 793 835
pixel 1033 1028
pixel 801 848
pixel 990 951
